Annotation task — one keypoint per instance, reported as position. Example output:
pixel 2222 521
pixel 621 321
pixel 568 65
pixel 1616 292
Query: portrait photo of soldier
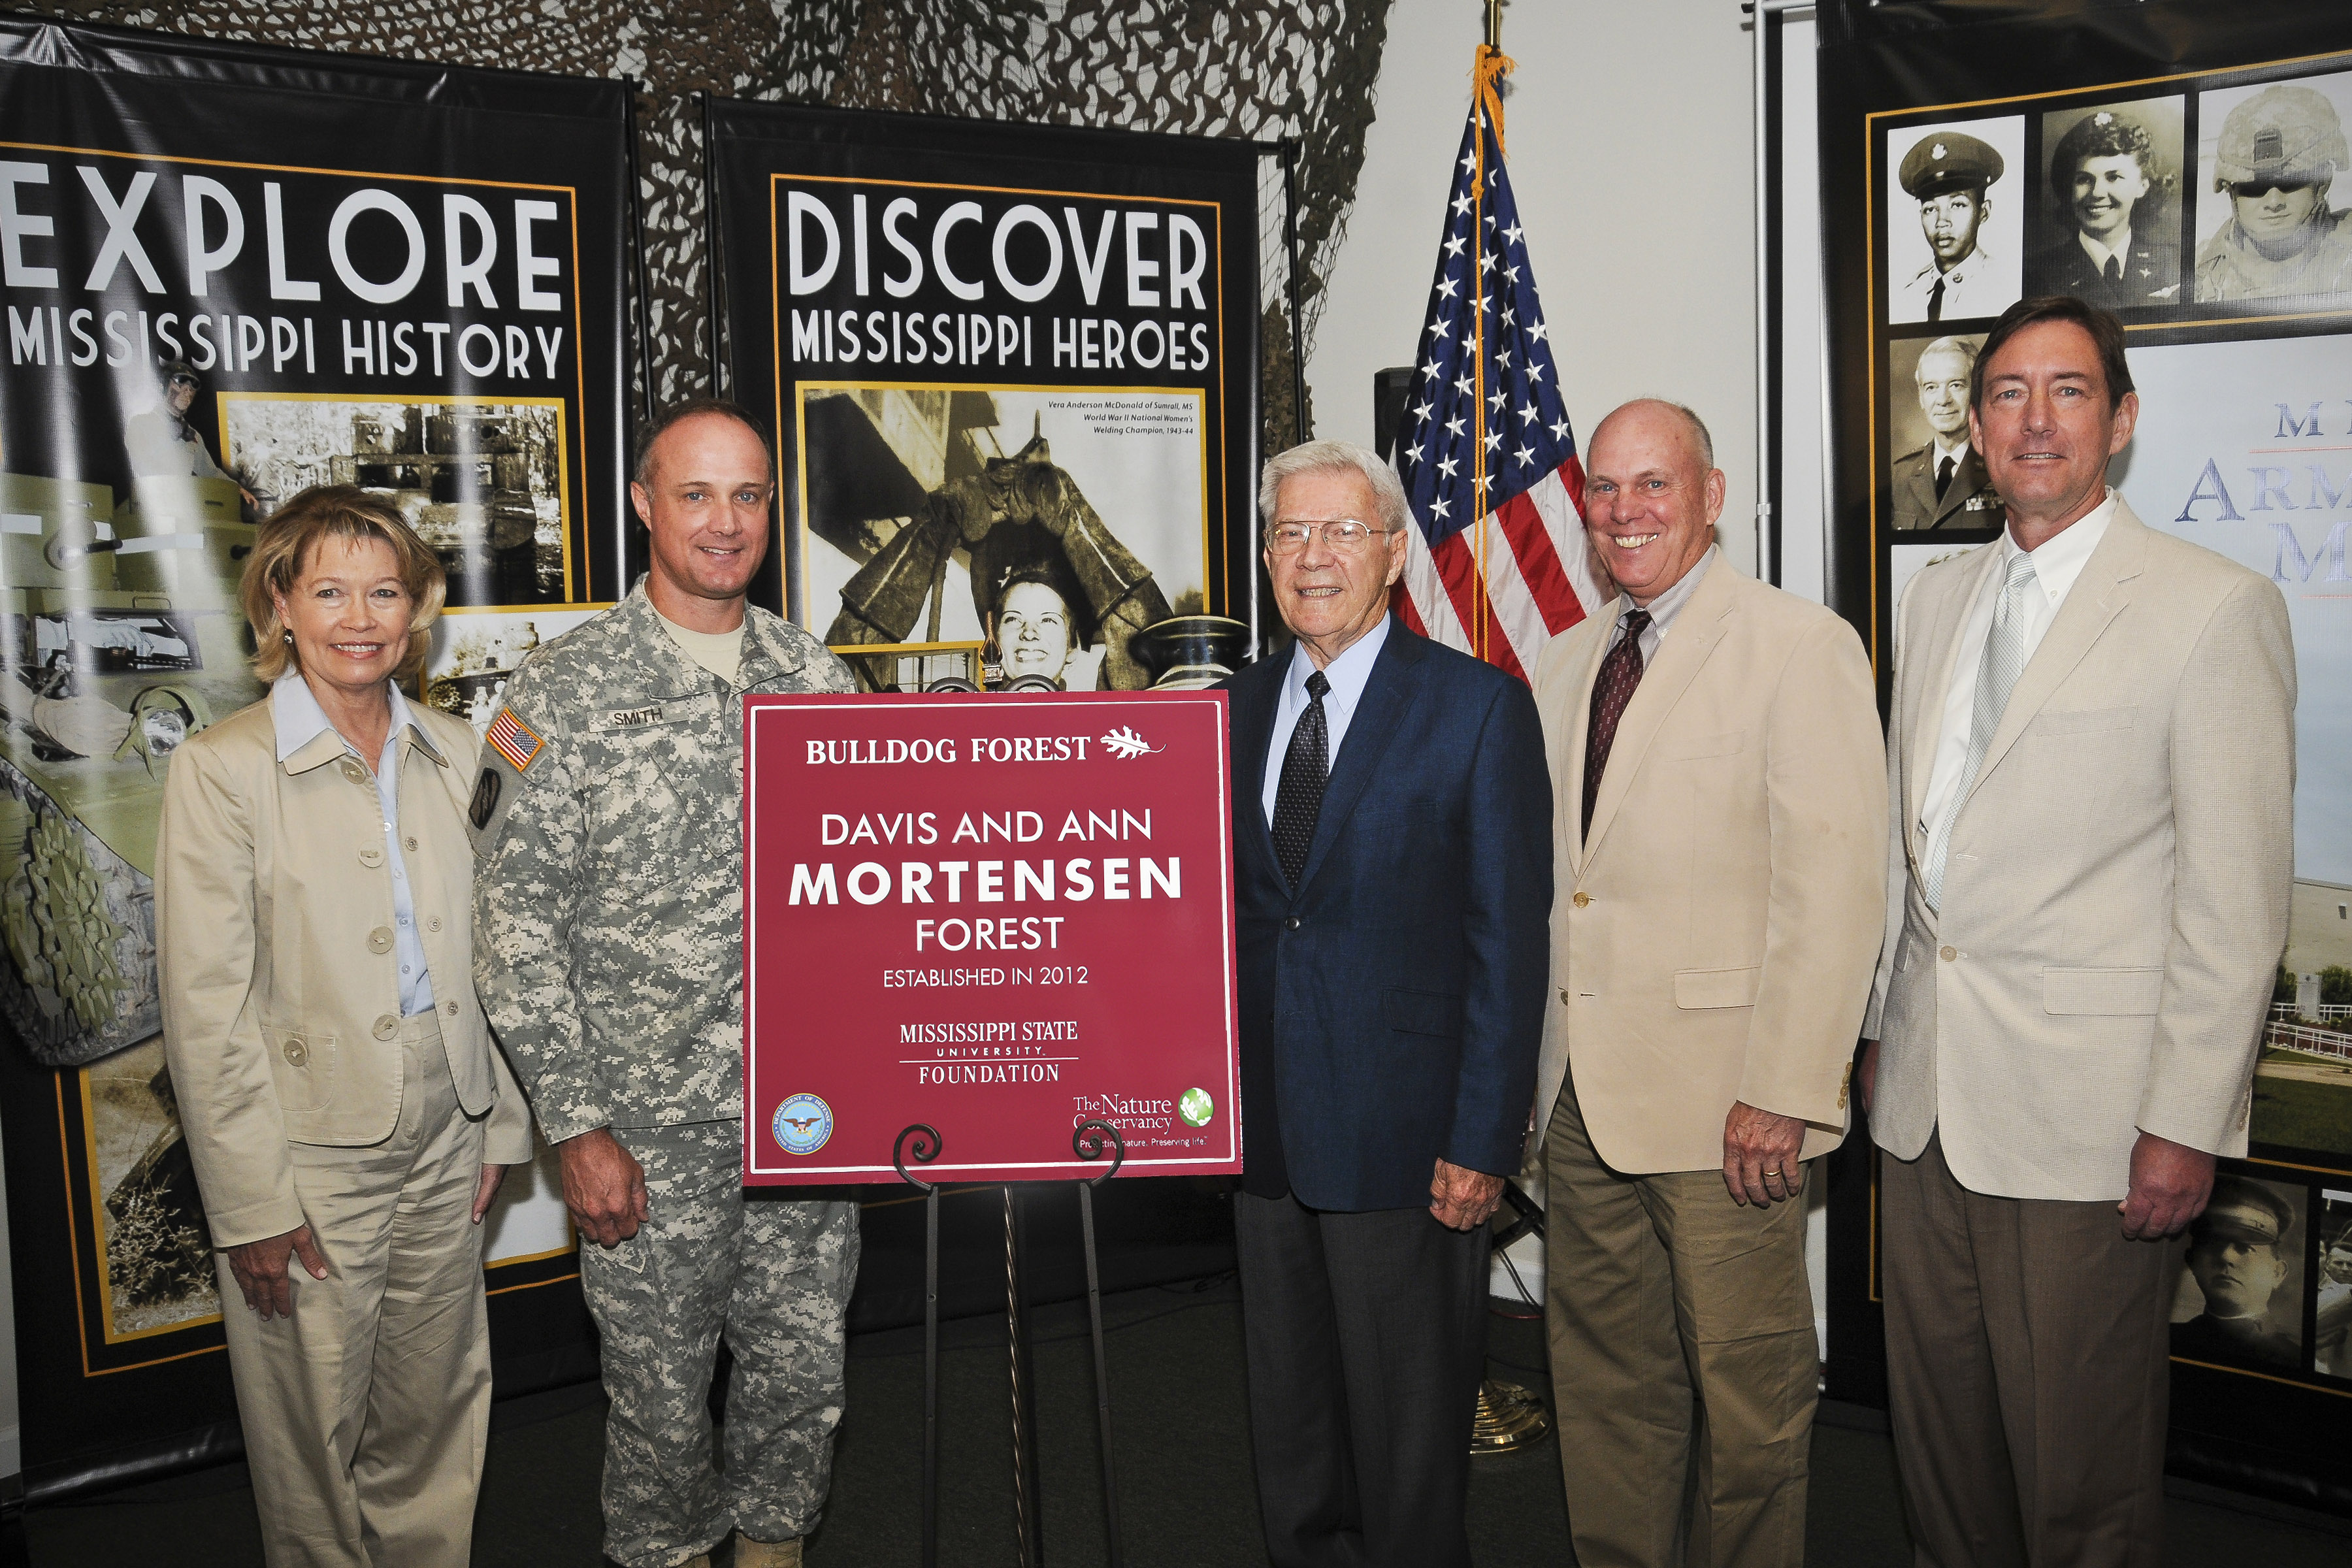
pixel 2331 1344
pixel 1938 481
pixel 2266 230
pixel 2241 1301
pixel 1037 532
pixel 2111 227
pixel 1951 237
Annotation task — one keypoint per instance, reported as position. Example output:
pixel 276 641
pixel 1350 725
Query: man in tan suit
pixel 1718 840
pixel 2091 761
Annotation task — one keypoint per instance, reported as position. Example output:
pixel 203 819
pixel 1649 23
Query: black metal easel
pixel 922 1143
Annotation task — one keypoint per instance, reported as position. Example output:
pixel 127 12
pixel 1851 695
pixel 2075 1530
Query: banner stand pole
pixel 925 1149
pixel 922 1142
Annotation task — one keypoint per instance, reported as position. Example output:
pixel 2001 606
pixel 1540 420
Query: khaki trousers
pixel 1684 1368
pixel 2028 1371
pixel 365 1413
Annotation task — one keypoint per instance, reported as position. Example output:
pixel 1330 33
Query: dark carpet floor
pixel 1181 1446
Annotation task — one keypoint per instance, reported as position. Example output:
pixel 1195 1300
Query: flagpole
pixel 1766 531
pixel 1763 319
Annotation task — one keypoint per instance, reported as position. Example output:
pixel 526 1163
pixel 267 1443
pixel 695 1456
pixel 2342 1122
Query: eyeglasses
pixel 184 381
pixel 2254 190
pixel 1343 534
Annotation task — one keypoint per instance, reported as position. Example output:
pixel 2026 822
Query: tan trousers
pixel 1685 1369
pixel 365 1413
pixel 2028 1370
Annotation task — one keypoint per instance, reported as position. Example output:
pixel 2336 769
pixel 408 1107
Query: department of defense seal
pixel 802 1124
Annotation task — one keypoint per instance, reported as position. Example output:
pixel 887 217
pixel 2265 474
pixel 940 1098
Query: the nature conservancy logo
pixel 1195 1106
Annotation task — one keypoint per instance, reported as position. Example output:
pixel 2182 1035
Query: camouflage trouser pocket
pixel 629 1255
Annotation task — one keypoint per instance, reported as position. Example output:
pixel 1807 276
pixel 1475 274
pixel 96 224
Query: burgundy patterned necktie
pixel 1620 672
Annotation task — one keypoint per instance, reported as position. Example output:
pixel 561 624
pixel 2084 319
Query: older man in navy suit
pixel 1392 844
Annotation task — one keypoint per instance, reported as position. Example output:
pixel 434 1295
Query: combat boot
pixel 751 1553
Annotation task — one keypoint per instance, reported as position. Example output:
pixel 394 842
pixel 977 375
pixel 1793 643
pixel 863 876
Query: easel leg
pixel 923 1141
pixel 1102 1373
pixel 931 1379
pixel 1024 1392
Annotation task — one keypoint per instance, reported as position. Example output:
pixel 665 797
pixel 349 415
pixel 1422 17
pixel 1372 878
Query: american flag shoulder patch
pixel 517 742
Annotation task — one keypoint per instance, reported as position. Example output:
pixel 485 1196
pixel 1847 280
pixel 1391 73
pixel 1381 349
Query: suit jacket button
pixel 433 922
pixel 353 772
pixel 386 1026
pixel 380 940
pixel 409 844
pixel 296 1052
pixel 1947 954
pixel 450 1008
pixel 1290 925
pixel 371 856
pixel 1580 899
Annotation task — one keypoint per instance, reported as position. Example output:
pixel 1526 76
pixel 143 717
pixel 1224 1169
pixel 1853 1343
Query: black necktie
pixel 2115 269
pixel 1298 798
pixel 1936 301
pixel 1943 478
pixel 1620 672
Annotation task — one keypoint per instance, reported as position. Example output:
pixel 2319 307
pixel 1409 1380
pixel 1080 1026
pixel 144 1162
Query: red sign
pixel 1001 916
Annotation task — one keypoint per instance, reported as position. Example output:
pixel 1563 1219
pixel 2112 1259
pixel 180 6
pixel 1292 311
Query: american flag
pixel 1498 564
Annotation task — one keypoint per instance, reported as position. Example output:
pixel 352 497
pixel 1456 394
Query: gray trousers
pixel 772 1278
pixel 1366 1335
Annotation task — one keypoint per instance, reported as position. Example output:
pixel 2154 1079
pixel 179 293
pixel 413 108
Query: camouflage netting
pixel 1260 69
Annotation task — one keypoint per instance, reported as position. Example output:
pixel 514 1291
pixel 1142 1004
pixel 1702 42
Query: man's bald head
pixel 1702 442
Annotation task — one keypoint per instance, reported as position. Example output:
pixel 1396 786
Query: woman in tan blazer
pixel 344 1103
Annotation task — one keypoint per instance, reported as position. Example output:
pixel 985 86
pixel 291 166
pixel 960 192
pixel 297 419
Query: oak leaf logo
pixel 1127 745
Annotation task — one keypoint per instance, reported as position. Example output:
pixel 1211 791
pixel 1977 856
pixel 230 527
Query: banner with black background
pixel 2137 126
pixel 1014 374
pixel 228 274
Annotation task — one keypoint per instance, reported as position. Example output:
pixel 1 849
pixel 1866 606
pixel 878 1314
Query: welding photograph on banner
pixel 198 332
pixel 1009 373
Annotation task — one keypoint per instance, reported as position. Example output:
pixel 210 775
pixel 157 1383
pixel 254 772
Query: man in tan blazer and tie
pixel 1718 838
pixel 2091 762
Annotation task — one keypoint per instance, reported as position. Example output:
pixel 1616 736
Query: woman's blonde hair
pixel 285 543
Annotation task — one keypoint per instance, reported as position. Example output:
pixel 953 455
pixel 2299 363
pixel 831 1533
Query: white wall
pixel 1628 146
pixel 1631 148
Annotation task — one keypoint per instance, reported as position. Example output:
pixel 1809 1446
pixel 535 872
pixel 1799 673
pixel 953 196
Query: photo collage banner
pixel 230 274
pixel 2173 163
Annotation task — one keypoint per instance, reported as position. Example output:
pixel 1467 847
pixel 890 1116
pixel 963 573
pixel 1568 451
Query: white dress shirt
pixel 300 719
pixel 2056 567
pixel 2100 254
pixel 1348 673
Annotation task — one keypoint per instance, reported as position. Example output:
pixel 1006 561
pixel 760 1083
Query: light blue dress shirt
pixel 299 721
pixel 1348 673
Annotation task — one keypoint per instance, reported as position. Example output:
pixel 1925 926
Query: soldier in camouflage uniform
pixel 609 952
